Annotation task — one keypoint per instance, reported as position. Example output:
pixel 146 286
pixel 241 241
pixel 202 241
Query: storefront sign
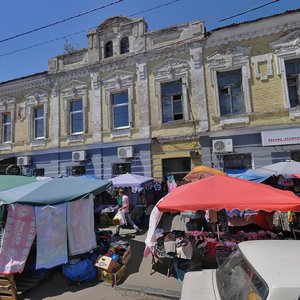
pixel 280 137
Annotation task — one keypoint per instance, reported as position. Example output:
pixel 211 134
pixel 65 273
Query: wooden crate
pixel 112 278
pixel 8 288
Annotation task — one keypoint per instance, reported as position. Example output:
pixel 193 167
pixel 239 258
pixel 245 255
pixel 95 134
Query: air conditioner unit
pixel 221 146
pixel 78 155
pixel 24 161
pixel 125 152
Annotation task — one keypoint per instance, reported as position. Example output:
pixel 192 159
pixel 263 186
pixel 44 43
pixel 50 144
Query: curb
pixel 168 294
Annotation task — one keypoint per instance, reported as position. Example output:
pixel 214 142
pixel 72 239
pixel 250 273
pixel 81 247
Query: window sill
pixel 5 146
pixel 115 133
pixel 75 138
pixel 294 112
pixel 172 123
pixel 233 120
pixel 38 142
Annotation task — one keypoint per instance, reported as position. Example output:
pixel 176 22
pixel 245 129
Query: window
pixel 293 81
pixel 76 117
pixel 75 170
pixel 172 109
pixel 295 155
pixel 118 169
pixel 120 110
pixel 237 279
pixel 230 93
pixel 124 46
pixel 108 51
pixel 178 167
pixel 237 161
pixel 38 122
pixel 39 172
pixel 6 128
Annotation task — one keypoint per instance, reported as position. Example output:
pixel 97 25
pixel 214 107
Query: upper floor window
pixel 293 81
pixel 230 93
pixel 6 128
pixel 108 51
pixel 38 122
pixel 76 117
pixel 124 46
pixel 171 94
pixel 120 113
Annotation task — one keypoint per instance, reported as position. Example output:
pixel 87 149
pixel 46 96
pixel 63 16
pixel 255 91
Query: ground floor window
pixel 123 168
pixel 178 167
pixel 75 170
pixel 295 155
pixel 39 172
pixel 237 161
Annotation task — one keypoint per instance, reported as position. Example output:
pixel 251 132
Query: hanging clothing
pixel 51 227
pixel 80 226
pixel 19 234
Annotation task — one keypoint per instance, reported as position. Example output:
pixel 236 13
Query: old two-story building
pixel 132 101
pixel 252 74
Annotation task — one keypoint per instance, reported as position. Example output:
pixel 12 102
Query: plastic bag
pixel 83 271
pixel 119 218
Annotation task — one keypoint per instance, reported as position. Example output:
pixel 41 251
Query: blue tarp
pixel 248 174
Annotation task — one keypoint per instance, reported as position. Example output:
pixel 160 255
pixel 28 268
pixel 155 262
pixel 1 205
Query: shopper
pixel 125 208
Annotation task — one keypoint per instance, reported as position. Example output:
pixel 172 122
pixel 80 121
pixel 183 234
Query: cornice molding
pixel 7 103
pixel 171 68
pixel 287 45
pixel 118 80
pixel 36 97
pixel 229 57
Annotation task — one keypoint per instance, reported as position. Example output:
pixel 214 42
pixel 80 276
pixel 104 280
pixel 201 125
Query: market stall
pixel 143 194
pixel 219 194
pixel 48 222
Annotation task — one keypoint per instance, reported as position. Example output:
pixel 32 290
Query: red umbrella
pixel 296 175
pixel 217 192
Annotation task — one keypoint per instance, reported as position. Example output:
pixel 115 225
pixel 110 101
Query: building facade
pixel 253 93
pixel 132 101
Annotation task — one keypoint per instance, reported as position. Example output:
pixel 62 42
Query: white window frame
pixel 118 82
pixel 231 59
pixel 71 113
pixel 34 122
pixel 74 91
pixel 287 48
pixel 4 125
pixel 38 98
pixel 7 105
pixel 119 105
pixel 168 71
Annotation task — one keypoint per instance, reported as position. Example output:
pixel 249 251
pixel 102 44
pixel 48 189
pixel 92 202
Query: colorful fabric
pixel 19 234
pixel 80 225
pixel 51 230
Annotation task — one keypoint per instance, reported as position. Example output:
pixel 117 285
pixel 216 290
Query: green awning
pixel 11 181
pixel 52 191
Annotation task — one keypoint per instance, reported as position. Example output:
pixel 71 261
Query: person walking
pixel 125 208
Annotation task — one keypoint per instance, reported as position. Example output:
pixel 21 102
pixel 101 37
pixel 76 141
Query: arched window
pixel 124 46
pixel 108 51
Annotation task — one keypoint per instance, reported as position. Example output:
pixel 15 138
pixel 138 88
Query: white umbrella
pixel 285 168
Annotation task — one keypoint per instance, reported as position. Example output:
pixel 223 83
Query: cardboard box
pixel 106 263
pixel 112 278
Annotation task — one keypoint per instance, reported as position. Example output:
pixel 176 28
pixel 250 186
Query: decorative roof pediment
pixel 113 21
pixel 118 79
pixel 171 68
pixel 287 44
pixel 7 103
pixel 37 96
pixel 74 88
pixel 228 57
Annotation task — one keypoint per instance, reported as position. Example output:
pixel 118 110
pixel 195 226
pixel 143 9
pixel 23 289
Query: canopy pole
pixel 218 231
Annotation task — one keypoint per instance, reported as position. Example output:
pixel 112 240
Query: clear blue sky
pixel 18 16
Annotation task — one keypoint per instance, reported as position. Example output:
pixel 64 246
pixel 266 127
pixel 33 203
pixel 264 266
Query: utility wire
pixel 63 37
pixel 61 21
pixel 245 12
pixel 152 8
pixel 42 43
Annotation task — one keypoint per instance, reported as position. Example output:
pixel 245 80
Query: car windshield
pixel 237 280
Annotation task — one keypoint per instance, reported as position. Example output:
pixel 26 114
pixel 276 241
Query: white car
pixel 257 270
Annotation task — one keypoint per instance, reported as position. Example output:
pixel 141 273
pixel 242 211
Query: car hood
pixel 199 285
